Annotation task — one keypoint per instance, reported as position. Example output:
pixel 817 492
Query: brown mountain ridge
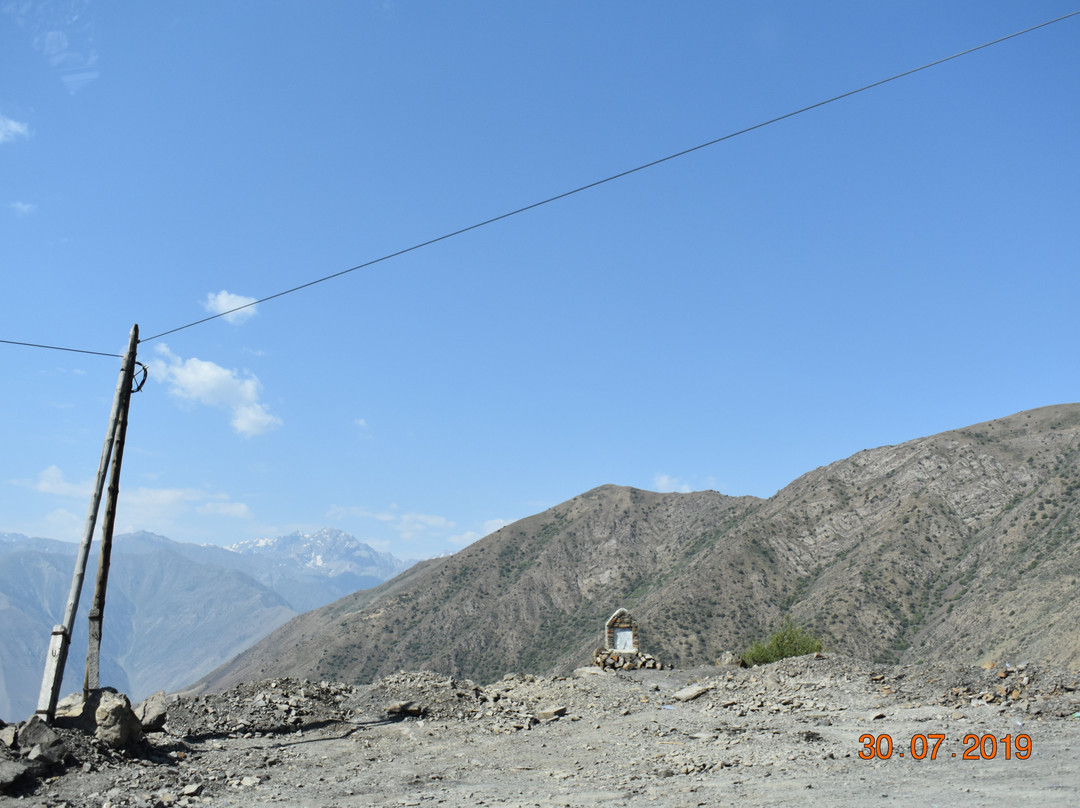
pixel 960 545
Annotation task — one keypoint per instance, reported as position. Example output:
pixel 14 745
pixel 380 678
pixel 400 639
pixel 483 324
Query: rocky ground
pixel 790 733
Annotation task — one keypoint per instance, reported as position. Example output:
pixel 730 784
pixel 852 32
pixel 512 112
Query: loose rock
pixel 153 712
pixel 117 725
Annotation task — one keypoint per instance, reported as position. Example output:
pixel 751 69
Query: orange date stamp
pixel 921 747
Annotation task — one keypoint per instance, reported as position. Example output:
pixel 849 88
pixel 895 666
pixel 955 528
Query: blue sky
pixel 890 266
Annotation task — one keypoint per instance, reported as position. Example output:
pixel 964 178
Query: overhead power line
pixel 58 348
pixel 614 177
pixel 586 187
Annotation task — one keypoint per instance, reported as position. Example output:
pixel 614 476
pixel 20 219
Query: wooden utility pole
pixel 97 607
pixel 60 641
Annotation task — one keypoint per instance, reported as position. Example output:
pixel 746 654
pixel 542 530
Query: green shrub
pixel 788 641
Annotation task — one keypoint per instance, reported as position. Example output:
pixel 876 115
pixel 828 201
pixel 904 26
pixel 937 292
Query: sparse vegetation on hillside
pixel 787 641
pixel 932 548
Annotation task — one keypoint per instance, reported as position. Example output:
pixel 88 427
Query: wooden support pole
pixel 91 680
pixel 60 640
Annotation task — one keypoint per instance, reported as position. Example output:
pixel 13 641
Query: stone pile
pixel 1024 687
pixel 613 660
pixel 86 732
pixel 433 697
pixel 270 707
pixel 27 750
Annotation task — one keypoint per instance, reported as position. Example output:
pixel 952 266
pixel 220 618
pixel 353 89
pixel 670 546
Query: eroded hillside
pixel 962 544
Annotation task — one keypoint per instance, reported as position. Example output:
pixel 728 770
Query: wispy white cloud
pixel 238 510
pixel 226 302
pixel 64 33
pixel 51 481
pixel 469 536
pixel 338 512
pixel 62 524
pixel 414 525
pixel 409 526
pixel 167 510
pixel 208 383
pixel 140 508
pixel 9 129
pixel 170 500
pixel 665 483
pixel 22 208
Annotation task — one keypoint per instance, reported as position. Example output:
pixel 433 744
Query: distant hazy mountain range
pixel 174 611
pixel 964 544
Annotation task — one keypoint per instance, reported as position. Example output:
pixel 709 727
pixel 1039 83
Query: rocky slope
pixel 963 544
pixel 787 734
